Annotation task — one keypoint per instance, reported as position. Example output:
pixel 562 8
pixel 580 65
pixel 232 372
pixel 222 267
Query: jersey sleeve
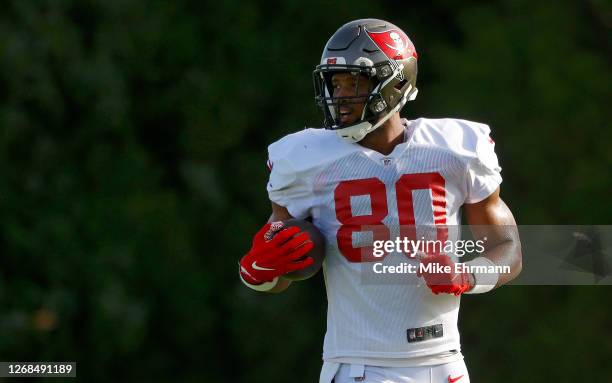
pixel 287 186
pixel 484 172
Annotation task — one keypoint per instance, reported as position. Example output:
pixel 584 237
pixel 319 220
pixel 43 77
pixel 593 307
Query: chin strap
pixel 357 132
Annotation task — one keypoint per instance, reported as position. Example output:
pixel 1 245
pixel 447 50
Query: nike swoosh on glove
pixel 276 250
pixel 443 282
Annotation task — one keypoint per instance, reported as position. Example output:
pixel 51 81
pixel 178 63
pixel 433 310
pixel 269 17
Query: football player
pixel 369 168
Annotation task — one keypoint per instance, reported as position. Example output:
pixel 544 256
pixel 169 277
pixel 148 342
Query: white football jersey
pixel 345 187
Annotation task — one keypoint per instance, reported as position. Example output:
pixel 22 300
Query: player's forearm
pixel 492 221
pixel 506 253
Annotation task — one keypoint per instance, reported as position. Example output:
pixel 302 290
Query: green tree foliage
pixel 132 152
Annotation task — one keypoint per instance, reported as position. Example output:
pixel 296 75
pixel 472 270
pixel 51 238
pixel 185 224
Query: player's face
pixel 349 85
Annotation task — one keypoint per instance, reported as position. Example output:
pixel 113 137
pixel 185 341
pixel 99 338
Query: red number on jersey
pixel 375 189
pixel 405 207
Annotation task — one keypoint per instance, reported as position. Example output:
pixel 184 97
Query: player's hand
pixel 276 250
pixel 444 282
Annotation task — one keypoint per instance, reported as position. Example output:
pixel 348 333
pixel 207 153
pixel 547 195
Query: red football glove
pixel 441 282
pixel 276 250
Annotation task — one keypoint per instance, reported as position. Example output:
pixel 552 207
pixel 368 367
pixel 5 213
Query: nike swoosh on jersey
pixel 453 380
pixel 254 266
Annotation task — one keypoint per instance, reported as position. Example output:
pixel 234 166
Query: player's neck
pixel 387 137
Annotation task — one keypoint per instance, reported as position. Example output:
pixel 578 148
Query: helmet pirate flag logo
pixel 394 43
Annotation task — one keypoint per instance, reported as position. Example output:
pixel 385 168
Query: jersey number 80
pixel 376 190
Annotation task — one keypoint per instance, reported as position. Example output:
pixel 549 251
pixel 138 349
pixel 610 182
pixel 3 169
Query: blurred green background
pixel 132 159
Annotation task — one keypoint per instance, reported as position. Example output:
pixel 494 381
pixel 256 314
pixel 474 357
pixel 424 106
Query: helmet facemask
pixel 324 93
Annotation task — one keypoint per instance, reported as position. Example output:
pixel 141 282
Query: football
pixel 317 252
